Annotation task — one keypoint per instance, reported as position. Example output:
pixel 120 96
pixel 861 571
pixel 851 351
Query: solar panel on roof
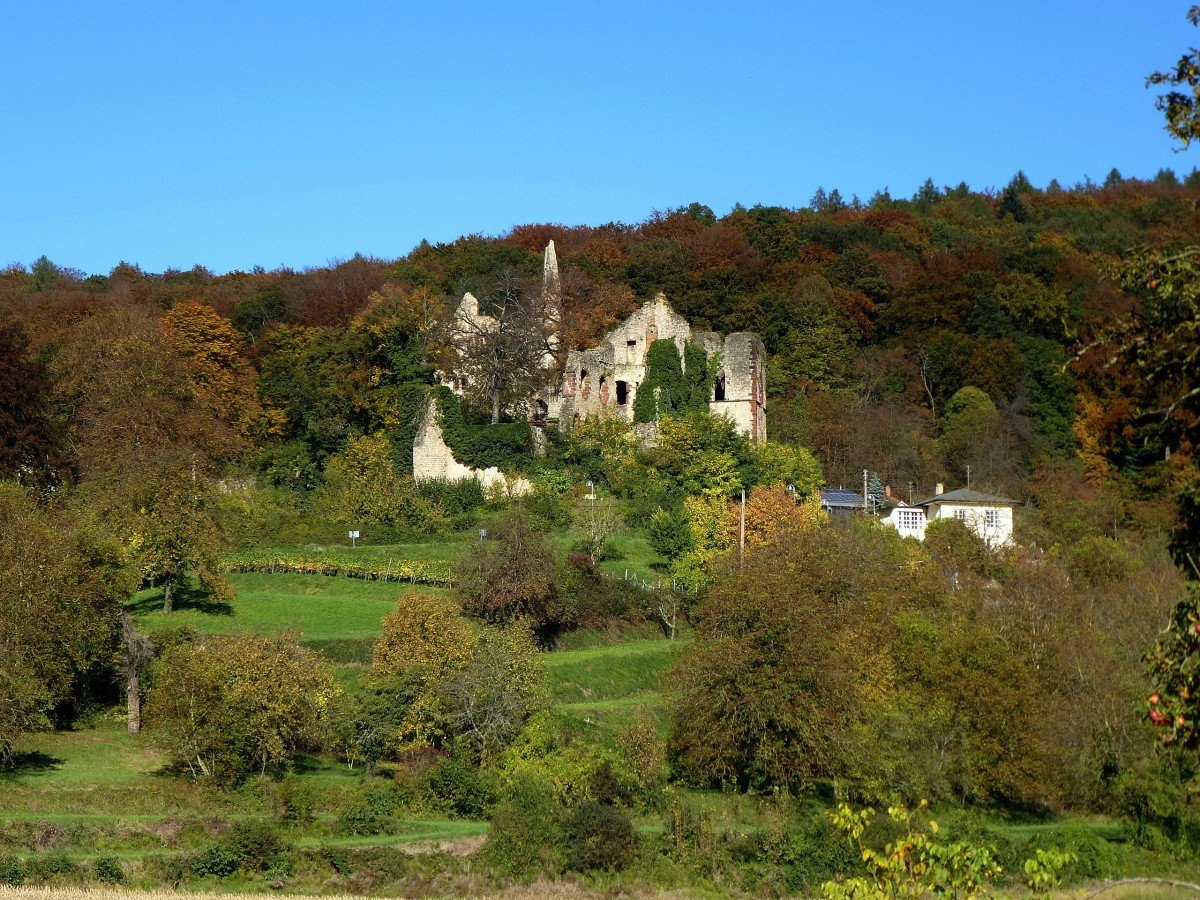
pixel 841 495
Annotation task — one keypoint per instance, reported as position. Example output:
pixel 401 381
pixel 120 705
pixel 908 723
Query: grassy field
pixel 339 616
pixel 100 789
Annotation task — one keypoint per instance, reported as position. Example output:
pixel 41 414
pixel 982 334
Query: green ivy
pixel 683 385
pixel 478 444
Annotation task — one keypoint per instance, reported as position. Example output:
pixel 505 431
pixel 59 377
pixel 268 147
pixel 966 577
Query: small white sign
pixel 355 534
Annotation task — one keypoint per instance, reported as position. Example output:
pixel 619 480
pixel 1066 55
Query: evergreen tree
pixel 876 491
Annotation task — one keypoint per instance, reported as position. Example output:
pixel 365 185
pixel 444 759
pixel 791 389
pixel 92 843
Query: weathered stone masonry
pixel 604 380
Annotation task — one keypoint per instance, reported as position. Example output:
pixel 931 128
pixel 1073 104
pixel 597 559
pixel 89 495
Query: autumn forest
pixel 570 670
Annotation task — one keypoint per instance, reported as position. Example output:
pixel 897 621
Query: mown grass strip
pixel 650 698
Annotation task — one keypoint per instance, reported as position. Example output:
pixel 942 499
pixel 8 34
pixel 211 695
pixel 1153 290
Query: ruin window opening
pixel 719 388
pixel 622 393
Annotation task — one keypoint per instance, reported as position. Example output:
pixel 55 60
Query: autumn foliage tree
pixel 511 575
pixel 822 651
pixel 229 706
pixel 29 447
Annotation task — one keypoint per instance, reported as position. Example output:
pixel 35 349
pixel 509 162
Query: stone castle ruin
pixel 600 381
pixel 604 380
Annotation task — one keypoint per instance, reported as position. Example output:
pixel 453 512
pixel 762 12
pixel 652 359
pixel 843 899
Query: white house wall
pixel 974 517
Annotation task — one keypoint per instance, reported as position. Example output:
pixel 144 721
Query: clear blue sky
pixel 231 135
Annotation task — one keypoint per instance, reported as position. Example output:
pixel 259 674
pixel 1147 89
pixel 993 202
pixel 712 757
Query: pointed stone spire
pixel 550 282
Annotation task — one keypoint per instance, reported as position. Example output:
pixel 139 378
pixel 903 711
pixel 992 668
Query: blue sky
pixel 230 135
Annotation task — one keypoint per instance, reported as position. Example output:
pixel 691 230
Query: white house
pixel 908 519
pixel 989 517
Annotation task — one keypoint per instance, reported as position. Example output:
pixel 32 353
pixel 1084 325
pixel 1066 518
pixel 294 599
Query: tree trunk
pixel 495 407
pixel 168 588
pixel 133 701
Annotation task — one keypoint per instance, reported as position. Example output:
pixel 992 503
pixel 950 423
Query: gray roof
pixel 840 497
pixel 966 495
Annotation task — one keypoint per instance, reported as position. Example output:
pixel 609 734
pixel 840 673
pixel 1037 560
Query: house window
pixel 993 518
pixel 622 392
pixel 911 519
pixel 961 515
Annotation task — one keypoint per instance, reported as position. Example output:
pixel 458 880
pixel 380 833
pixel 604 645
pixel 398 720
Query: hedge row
pixel 333 562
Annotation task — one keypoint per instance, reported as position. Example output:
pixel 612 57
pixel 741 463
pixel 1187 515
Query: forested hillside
pixel 169 438
pixel 875 316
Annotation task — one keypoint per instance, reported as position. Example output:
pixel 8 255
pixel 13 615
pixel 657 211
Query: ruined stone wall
pixel 433 460
pixel 740 393
pixel 604 379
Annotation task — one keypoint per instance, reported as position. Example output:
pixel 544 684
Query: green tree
pixel 60 614
pixel 805 666
pixel 372 721
pixel 175 532
pixel 789 659
pixel 490 698
pixel 1181 108
pixel 363 487
pixel 875 491
pixel 233 705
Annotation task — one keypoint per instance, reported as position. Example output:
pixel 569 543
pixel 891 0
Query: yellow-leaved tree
pixel 210 348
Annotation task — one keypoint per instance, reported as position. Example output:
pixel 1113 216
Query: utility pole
pixel 968 477
pixel 865 491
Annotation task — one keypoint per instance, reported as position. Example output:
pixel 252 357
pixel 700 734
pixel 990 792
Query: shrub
pixel 526 835
pixel 255 845
pixel 11 871
pixel 1094 857
pixel 55 863
pixel 295 799
pixel 1156 805
pixel 108 869
pixel 372 811
pixel 461 788
pixel 817 853
pixel 216 861
pixel 599 837
pixel 460 497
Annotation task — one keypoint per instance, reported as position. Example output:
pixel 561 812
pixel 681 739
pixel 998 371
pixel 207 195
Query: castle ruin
pixel 602 380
